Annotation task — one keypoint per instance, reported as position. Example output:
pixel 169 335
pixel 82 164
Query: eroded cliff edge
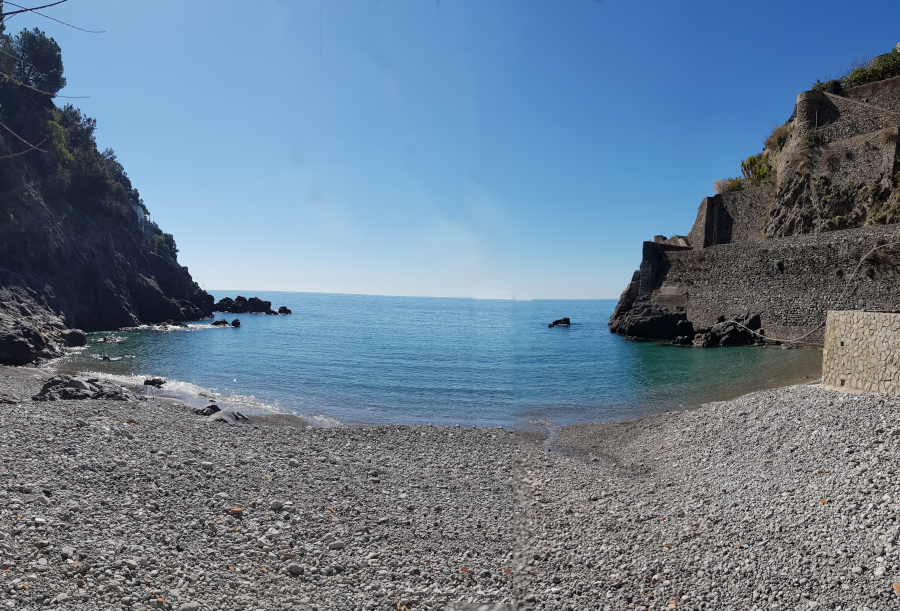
pixel 819 232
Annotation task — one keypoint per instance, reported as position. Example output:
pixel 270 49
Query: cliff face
pixel 819 235
pixel 77 248
pixel 63 268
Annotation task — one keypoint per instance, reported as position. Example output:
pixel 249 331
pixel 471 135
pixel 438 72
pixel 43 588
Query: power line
pixel 34 10
pixel 28 10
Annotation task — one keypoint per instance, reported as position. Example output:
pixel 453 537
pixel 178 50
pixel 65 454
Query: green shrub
pixel 164 244
pixel 829 86
pixel 57 137
pixel 757 169
pixel 862 72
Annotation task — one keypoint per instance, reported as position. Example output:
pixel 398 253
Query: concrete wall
pixel 862 350
pixel 791 281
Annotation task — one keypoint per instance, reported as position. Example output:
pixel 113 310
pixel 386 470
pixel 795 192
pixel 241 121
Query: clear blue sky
pixel 478 148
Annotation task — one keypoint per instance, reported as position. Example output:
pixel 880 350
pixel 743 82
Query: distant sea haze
pixel 413 360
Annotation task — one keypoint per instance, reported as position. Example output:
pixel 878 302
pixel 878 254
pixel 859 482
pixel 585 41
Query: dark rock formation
pixel 155 382
pixel 253 305
pixel 738 331
pixel 560 322
pixel 220 323
pixel 74 337
pixel 242 305
pixel 649 320
pixel 230 417
pixel 236 322
pixel 60 271
pixel 64 388
pixel 209 410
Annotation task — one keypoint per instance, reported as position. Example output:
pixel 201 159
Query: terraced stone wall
pixel 862 350
pixel 792 282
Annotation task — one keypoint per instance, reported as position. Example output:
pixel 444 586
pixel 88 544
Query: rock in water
pixel 220 323
pixel 284 310
pixel 236 322
pixel 155 382
pixel 242 305
pixel 560 322
pixel 74 337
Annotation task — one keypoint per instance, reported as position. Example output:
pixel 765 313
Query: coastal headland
pixel 809 227
pixel 778 499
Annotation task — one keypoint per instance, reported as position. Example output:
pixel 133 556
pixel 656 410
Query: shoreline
pixel 198 396
pixel 778 499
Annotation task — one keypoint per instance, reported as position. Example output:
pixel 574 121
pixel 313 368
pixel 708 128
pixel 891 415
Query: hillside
pixel 810 226
pixel 77 248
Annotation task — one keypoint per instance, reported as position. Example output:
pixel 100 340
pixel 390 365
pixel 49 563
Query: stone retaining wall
pixel 793 282
pixel 861 351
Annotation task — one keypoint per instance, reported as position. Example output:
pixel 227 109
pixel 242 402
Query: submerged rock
pixel 560 322
pixel 220 323
pixel 236 322
pixel 284 310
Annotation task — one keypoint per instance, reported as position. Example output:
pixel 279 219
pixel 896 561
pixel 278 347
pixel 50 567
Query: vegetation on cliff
pixel 77 247
pixel 862 72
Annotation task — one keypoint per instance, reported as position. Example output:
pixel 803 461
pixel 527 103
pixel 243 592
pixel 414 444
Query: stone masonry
pixel 823 236
pixel 862 350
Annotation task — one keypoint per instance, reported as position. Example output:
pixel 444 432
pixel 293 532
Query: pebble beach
pixel 781 499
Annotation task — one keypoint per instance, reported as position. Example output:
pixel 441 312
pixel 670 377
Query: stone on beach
pixel 714 508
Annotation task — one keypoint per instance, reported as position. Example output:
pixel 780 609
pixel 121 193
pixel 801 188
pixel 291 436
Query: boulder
pixel 236 322
pixel 154 382
pixel 209 410
pixel 64 388
pixel 220 323
pixel 74 337
pixel 651 321
pixel 560 322
pixel 284 310
pixel 742 330
pixel 229 416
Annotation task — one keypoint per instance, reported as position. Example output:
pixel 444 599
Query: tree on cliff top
pixel 39 64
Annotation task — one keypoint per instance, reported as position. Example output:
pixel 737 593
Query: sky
pixel 456 148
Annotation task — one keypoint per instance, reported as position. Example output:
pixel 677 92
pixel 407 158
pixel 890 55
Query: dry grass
pixel 888 136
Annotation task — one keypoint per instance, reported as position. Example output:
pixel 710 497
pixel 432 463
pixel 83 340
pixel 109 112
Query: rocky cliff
pixel 811 227
pixel 77 248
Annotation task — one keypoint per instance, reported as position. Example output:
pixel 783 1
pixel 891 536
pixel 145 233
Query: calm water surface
pixel 357 358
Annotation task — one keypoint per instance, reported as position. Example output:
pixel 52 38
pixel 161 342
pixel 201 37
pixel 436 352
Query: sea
pixel 362 359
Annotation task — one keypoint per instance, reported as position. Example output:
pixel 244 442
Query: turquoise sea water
pixel 373 359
